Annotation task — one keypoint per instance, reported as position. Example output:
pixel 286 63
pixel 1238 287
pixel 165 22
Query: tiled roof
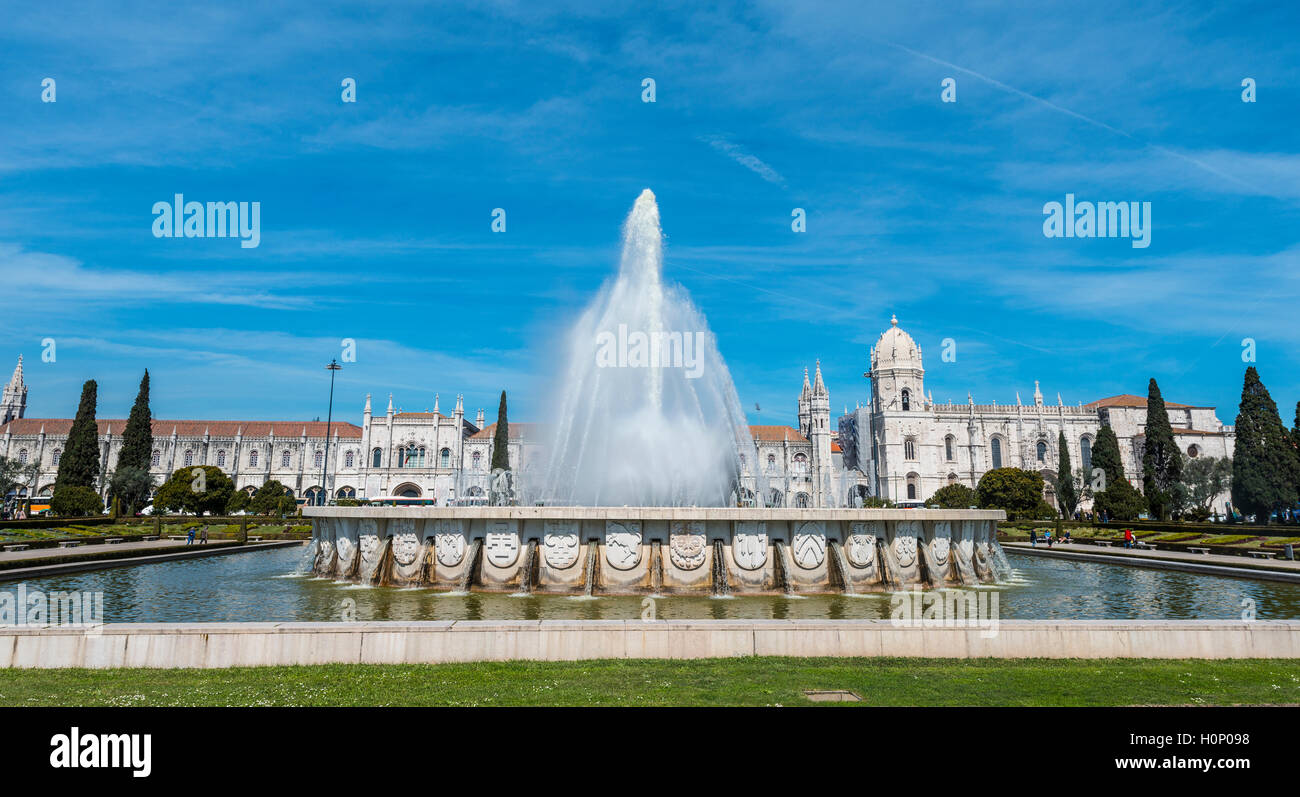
pixel 777 434
pixel 1130 400
pixel 163 428
pixel 515 431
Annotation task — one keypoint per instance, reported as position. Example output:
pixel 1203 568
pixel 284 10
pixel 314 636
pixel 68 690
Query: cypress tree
pixel 1263 461
pixel 1162 462
pixel 501 438
pixel 79 465
pixel 1105 455
pixel 1066 497
pixel 137 438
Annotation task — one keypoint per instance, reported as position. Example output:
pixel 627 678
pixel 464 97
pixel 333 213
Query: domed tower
pixel 897 378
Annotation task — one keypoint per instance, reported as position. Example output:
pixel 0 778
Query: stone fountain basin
pixel 661 550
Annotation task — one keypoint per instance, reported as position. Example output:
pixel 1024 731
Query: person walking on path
pixel 203 538
pixel 189 537
pixel 1128 538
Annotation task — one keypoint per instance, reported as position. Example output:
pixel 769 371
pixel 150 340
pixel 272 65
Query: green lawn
pixel 714 682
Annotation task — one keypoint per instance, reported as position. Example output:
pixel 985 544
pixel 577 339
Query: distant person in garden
pixel 203 538
pixel 189 536
pixel 1033 538
pixel 1047 535
pixel 1128 538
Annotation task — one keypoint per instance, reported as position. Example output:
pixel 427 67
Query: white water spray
pixel 648 414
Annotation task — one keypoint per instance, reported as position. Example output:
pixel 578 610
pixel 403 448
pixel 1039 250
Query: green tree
pixel 239 501
pixel 130 485
pixel 201 489
pixel 1064 485
pixel 79 465
pixel 137 437
pixel 15 475
pixel 1264 466
pixel 876 502
pixel 272 498
pixel 1014 490
pixel 1105 455
pixel 501 438
pixel 952 496
pixel 1162 462
pixel 1203 479
pixel 1120 500
pixel 74 500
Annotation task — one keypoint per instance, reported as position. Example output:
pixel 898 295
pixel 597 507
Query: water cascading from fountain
pixel 965 570
pixel 934 572
pixel 891 570
pixel 589 589
pixel 648 414
pixel 471 566
pixel 721 586
pixel 530 564
pixel 998 561
pixel 842 565
pixel 779 568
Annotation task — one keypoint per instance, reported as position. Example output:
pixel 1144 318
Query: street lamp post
pixel 329 419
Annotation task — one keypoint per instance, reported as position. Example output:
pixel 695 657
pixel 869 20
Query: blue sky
pixel 376 215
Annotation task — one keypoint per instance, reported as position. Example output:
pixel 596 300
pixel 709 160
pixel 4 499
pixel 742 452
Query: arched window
pixel 800 463
pixel 995 447
pixel 189 457
pixel 907 400
pixel 376 458
pixel 22 456
pixel 221 459
pixel 318 458
pixel 801 500
pixel 285 458
pixel 476 460
pixel 771 463
pixel 742 462
pixel 346 492
pixel 59 455
pixel 156 459
pixel 1085 453
pixel 948 448
pixel 775 498
pixel 909 448
pixel 444 458
pixel 952 478
pixel 252 458
pixel 1042 451
pixel 913 486
pixel 349 459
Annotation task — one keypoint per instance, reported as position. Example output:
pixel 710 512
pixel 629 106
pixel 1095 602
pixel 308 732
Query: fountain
pixel 645 466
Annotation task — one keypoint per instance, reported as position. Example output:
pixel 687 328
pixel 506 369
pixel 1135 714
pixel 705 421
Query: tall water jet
pixel 648 414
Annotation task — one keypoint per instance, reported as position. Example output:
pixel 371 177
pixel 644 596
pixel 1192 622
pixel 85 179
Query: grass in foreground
pixel 712 682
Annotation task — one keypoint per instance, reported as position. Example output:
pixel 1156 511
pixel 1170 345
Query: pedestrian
pixel 203 538
pixel 1033 538
pixel 189 536
pixel 1128 538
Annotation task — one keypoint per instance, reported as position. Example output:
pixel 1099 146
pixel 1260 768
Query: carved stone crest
pixel 939 547
pixel 346 548
pixel 905 549
pixel 406 546
pixel 623 543
pixel 560 543
pixel 749 544
pixel 808 545
pixel 501 543
pixel 686 544
pixel 449 541
pixel 369 545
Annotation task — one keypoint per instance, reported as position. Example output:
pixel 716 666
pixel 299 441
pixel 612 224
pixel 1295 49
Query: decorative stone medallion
pixel 560 543
pixel 325 551
pixel 406 546
pixel 939 547
pixel 346 548
pixel 905 550
pixel 369 546
pixel 623 543
pixel 860 547
pixel 686 544
pixel 808 545
pixel 449 541
pixel 749 544
pixel 501 543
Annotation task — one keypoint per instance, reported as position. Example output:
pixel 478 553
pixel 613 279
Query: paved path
pixel 87 548
pixel 1211 563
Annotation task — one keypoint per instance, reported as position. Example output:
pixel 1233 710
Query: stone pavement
pixel 1211 563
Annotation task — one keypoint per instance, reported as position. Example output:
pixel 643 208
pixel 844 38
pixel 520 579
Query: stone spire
pixel 807 389
pixel 13 402
pixel 819 387
pixel 1038 395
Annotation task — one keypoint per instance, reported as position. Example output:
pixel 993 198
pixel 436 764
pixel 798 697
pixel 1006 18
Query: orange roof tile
pixel 163 428
pixel 1130 400
pixel 777 434
pixel 515 431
